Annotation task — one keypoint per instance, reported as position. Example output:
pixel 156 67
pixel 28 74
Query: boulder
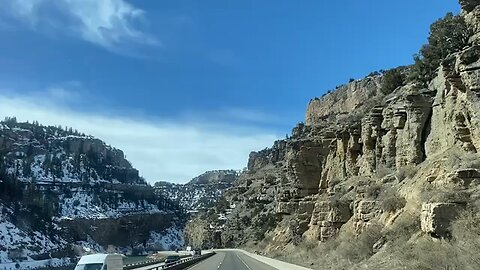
pixel 436 218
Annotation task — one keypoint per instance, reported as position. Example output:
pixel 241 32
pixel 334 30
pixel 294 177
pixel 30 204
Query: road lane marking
pixel 221 262
pixel 199 264
pixel 243 262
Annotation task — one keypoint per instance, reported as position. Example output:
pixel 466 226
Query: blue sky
pixel 202 83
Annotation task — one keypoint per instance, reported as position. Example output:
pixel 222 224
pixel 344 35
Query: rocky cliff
pixel 202 197
pixel 368 162
pixel 202 192
pixel 72 193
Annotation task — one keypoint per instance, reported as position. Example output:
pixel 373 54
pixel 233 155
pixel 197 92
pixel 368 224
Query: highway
pixel 231 260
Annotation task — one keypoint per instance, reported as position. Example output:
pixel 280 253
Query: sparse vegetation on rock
pixel 392 79
pixel 447 35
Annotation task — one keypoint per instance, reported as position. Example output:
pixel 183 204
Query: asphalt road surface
pixel 230 260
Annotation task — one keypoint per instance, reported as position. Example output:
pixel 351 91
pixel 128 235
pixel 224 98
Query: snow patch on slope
pixel 168 240
pixel 85 205
pixel 24 243
pixel 35 264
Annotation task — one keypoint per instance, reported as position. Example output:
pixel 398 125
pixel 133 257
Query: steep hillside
pixel 63 193
pixel 202 197
pixel 383 174
pixel 202 192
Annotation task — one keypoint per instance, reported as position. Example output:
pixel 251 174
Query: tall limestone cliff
pixel 368 160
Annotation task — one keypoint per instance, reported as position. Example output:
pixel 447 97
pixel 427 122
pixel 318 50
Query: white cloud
pixel 162 150
pixel 108 23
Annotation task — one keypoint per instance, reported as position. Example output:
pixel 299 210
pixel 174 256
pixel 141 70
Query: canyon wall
pixel 358 144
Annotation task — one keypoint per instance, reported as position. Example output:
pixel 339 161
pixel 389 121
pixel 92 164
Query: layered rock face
pixel 344 100
pixel 471 13
pixel 340 153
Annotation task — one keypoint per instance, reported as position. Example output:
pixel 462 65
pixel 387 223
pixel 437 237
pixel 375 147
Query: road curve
pixel 231 260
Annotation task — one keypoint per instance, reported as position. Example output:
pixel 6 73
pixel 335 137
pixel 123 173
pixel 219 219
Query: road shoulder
pixel 272 262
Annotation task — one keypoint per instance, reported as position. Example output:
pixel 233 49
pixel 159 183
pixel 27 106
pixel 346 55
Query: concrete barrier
pixel 184 263
pixel 132 266
pixel 141 264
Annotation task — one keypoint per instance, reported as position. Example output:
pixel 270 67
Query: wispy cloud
pixel 107 23
pixel 165 149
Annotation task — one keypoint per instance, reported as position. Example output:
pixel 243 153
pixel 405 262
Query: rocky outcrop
pixel 215 177
pixel 346 99
pixel 202 192
pixel 436 218
pixel 466 177
pixel 471 13
pixel 356 140
pixel 456 105
pixel 79 145
pixel 201 234
pixel 124 231
pixel 365 211
pixel 327 218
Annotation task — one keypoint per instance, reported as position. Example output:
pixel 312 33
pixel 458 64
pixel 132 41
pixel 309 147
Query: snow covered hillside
pixel 202 192
pixel 63 193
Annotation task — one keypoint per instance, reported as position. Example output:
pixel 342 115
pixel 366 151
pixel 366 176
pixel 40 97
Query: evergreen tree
pixel 392 79
pixel 447 35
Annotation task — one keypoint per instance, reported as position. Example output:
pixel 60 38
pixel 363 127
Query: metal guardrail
pixel 183 263
pixel 141 264
pixel 131 266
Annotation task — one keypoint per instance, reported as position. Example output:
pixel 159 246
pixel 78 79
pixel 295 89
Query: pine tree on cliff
pixel 447 35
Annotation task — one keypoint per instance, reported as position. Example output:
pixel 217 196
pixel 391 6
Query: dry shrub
pixel 453 195
pixel 342 252
pixel 428 254
pixel 356 249
pixel 471 160
pixel 383 171
pixel 407 171
pixel 405 252
pixel 466 235
pixel 373 190
pixel 390 201
pixel 404 227
pixel 404 248
pixel 458 159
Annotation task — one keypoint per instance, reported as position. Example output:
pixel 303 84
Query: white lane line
pixel 243 261
pixel 220 264
pixel 200 263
